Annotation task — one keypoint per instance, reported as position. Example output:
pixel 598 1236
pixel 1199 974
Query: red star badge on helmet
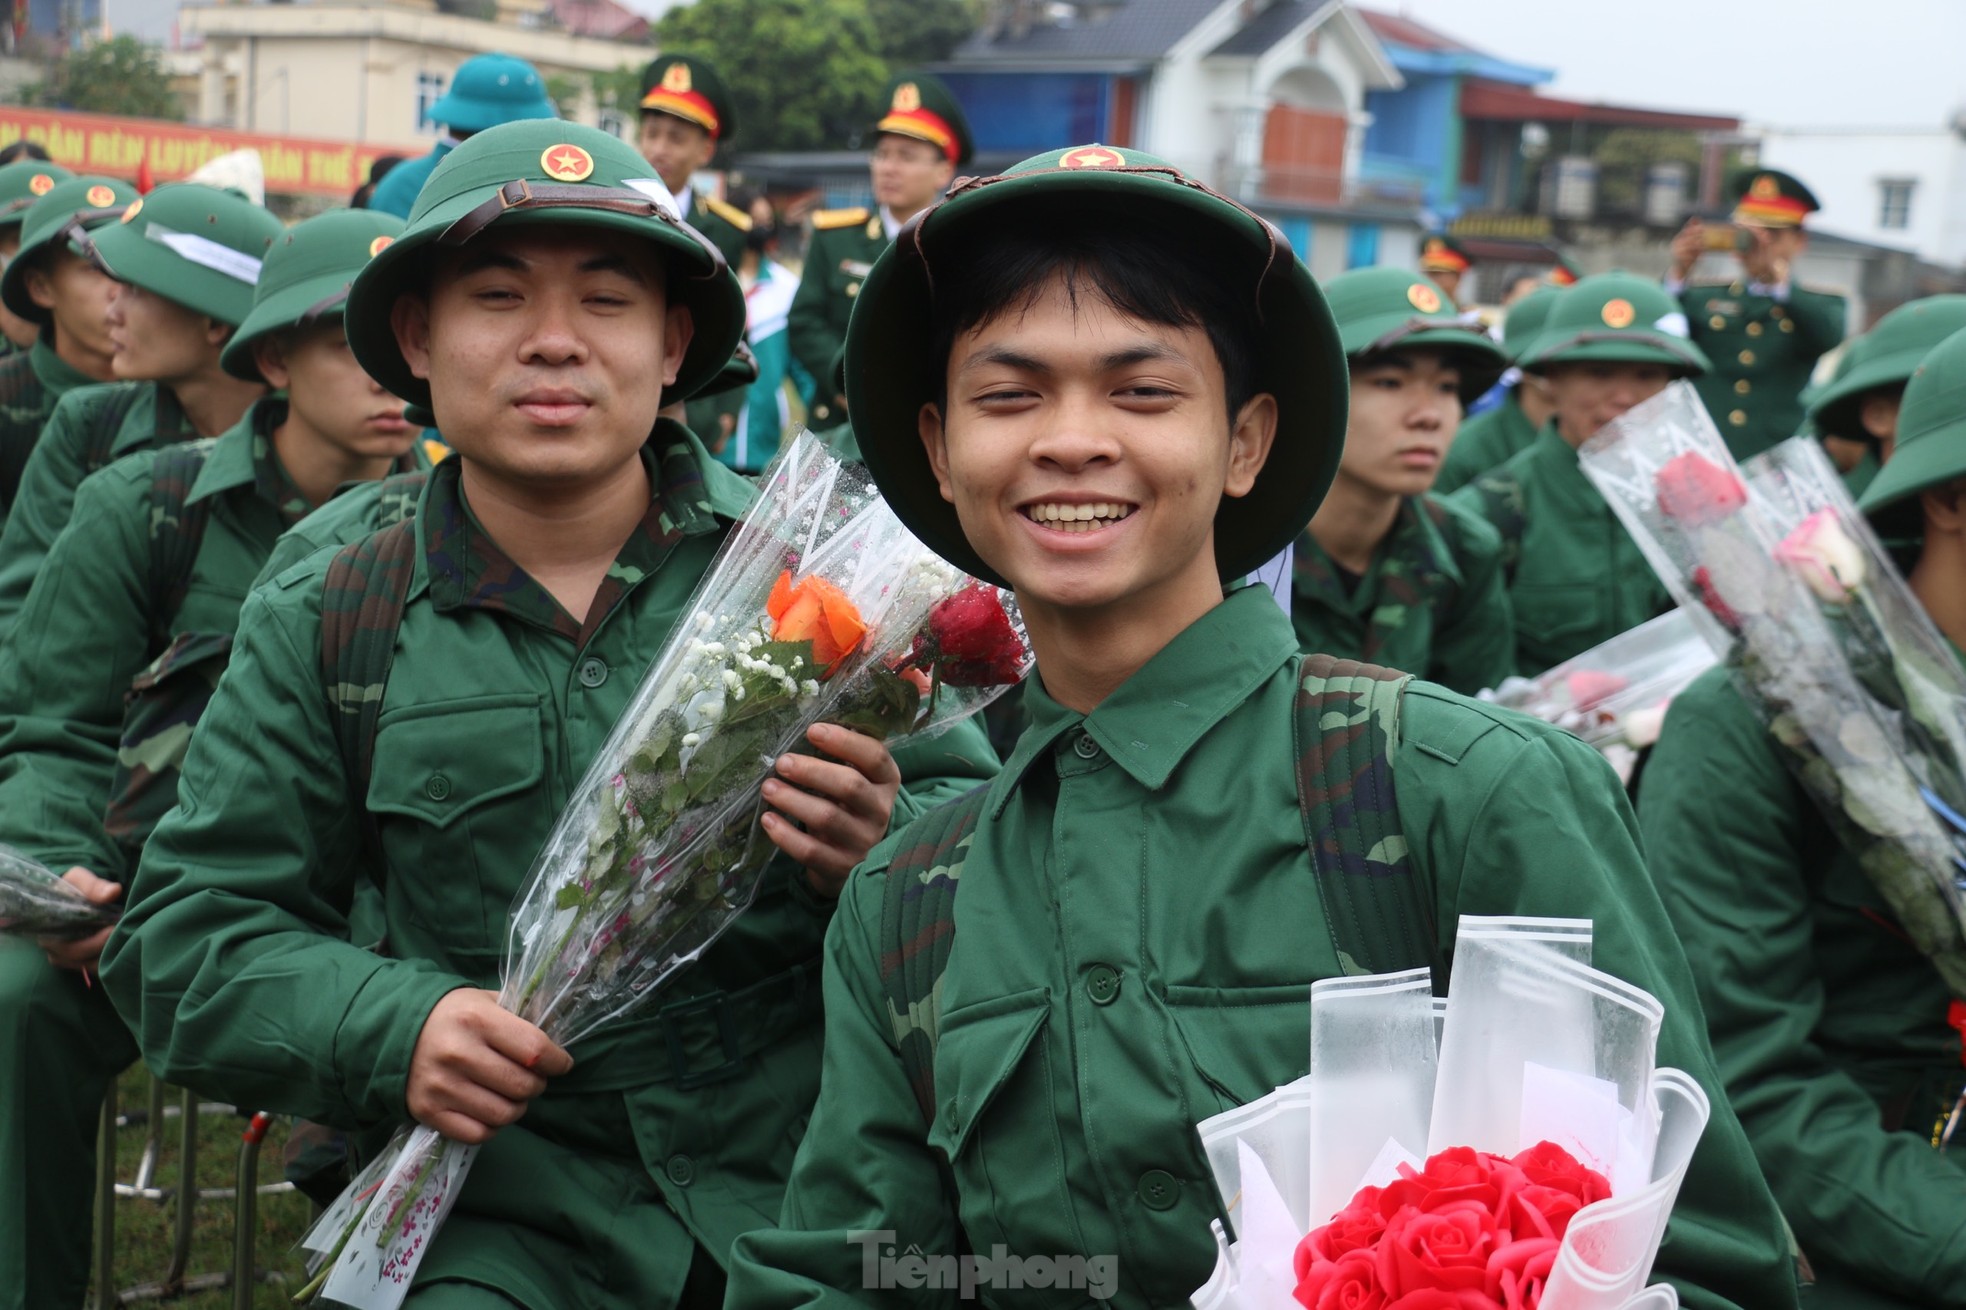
pixel 566 163
pixel 40 184
pixel 379 245
pixel 101 197
pixel 1423 298
pixel 1092 157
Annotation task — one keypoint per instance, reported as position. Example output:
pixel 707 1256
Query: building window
pixel 613 122
pixel 429 90
pixel 1894 203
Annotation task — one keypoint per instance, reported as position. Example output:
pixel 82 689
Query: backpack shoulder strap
pixel 1346 732
pixel 918 926
pixel 177 528
pixel 362 599
pixel 106 424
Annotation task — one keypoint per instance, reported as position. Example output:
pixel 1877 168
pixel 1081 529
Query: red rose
pixel 1459 1173
pixel 1347 1284
pixel 1436 1298
pixel 1548 1165
pixel 1695 491
pixel 1589 686
pixel 1354 1228
pixel 1710 597
pixel 1446 1248
pixel 972 639
pixel 1518 1271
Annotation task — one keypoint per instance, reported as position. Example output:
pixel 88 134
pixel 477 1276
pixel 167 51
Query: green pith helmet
pixel 920 106
pixel 491 89
pixel 690 89
pixel 545 173
pixel 22 183
pixel 1616 318
pixel 1524 321
pixel 198 246
pixel 1885 356
pixel 893 367
pixel 1931 443
pixel 78 205
pixel 1382 309
pixel 306 278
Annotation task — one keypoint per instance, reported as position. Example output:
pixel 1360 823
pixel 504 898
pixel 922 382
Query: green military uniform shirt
pixel 1829 1027
pixel 1135 943
pixel 1432 603
pixel 844 245
pixel 1575 576
pixel 1763 351
pixel 1488 440
pixel 31 382
pixel 72 446
pixel 233 964
pixel 725 224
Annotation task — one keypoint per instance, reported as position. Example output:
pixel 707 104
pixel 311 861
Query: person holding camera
pixel 1763 333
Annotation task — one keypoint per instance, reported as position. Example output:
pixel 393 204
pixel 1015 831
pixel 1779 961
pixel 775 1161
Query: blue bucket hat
pixel 491 89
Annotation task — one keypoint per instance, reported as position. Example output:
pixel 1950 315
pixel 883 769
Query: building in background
pixel 1895 186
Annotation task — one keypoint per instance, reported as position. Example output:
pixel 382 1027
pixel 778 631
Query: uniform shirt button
pixel 1747 357
pixel 681 1170
pixel 1102 984
pixel 593 672
pixel 1754 329
pixel 1739 418
pixel 1159 1190
pixel 1086 748
pixel 438 788
pixel 1788 325
pixel 1716 322
pixel 852 290
pixel 1742 387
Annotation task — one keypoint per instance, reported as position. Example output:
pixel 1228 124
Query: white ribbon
pixel 206 253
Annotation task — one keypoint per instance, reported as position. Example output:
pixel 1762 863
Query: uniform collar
pixel 467 569
pixel 242 456
pixel 1153 719
pixel 1407 567
pixel 56 374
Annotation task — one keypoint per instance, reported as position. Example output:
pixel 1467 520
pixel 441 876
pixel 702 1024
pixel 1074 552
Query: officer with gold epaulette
pixel 686 115
pixel 1446 261
pixel 1763 333
pixel 920 142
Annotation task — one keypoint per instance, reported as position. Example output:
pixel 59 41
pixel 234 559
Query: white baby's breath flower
pixel 732 680
pixel 692 739
pixel 810 686
pixel 711 711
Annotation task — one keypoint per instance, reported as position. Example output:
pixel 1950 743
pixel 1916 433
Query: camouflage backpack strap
pixel 397 494
pixel 177 530
pixel 106 424
pixel 918 926
pixel 362 602
pixel 1347 731
pixel 1503 504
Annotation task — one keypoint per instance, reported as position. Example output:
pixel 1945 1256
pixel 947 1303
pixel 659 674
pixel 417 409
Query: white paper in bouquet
pixel 375 1269
pixel 1373 1060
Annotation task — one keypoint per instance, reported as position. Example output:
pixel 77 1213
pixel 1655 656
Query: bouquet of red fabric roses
pixel 1542 1182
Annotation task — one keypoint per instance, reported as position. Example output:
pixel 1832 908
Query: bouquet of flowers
pixel 34 902
pixel 1614 696
pixel 1825 641
pixel 820 607
pixel 1544 1180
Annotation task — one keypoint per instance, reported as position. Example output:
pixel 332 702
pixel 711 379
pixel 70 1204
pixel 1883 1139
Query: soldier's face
pixel 158 340
pixel 546 350
pixel 908 174
pixel 1086 454
pixel 335 402
pixel 1405 410
pixel 1587 396
pixel 76 295
pixel 675 148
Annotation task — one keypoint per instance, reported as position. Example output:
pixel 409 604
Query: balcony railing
pixel 1272 185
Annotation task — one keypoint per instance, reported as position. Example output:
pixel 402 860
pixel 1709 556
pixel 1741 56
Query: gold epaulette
pixel 825 220
pixel 728 212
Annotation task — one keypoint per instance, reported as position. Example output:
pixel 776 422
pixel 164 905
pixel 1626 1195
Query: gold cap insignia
pixel 100 197
pixel 136 207
pixel 1423 298
pixel 907 98
pixel 566 163
pixel 1092 157
pixel 676 80
pixel 1436 247
pixel 379 245
pixel 1618 313
pixel 1765 188
pixel 40 184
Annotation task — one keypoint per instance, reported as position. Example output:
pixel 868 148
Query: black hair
pixel 14 151
pixel 1145 274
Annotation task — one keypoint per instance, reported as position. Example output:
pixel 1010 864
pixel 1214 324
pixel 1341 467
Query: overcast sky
pixel 1785 63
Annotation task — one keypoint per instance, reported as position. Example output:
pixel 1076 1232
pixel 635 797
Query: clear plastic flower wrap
pixel 820 608
pixel 35 902
pixel 1524 1112
pixel 1790 587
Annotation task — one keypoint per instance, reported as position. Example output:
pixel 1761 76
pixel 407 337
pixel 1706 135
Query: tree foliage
pixel 119 76
pixel 803 74
pixel 922 31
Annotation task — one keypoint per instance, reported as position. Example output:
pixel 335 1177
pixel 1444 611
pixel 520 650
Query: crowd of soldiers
pixel 333 551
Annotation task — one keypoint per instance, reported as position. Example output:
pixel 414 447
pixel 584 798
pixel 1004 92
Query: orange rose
pixel 815 610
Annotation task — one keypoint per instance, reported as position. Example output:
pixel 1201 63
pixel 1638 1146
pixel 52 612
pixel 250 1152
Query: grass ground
pixel 144 1229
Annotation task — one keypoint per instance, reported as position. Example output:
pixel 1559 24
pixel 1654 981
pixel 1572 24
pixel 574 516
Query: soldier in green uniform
pixel 1446 261
pixel 1576 578
pixel 140 599
pixel 1492 437
pixel 919 143
pixel 540 308
pixel 1086 409
pixel 1859 404
pixel 185 259
pixel 1831 1030
pixel 21 184
pixel 51 285
pixel 486 90
pixel 1763 333
pixel 1388 572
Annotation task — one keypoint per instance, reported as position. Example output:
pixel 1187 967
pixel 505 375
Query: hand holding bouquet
pixel 820 608
pixel 35 902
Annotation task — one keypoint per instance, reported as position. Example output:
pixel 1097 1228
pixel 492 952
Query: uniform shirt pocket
pixel 1244 1041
